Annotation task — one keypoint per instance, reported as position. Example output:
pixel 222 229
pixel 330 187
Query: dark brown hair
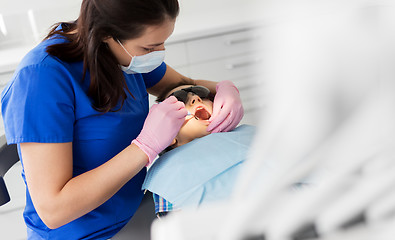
pixel 100 19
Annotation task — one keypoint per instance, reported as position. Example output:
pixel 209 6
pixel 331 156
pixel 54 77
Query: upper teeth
pixel 199 108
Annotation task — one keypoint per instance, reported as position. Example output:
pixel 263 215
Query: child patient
pixel 198 101
pixel 199 171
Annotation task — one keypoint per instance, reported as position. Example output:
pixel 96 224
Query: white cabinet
pixel 223 45
pixel 231 55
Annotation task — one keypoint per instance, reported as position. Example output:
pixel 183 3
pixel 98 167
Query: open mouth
pixel 202 113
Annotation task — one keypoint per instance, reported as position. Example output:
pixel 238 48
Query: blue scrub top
pixel 47 102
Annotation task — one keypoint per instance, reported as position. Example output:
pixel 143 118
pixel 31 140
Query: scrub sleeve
pixel 46 101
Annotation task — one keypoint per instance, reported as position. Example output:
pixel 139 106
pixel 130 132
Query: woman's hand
pixel 161 126
pixel 227 108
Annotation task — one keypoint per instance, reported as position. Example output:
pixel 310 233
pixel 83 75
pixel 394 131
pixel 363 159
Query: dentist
pixel 77 107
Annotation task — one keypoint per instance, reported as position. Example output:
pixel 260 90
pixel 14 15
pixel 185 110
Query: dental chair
pixel 12 193
pixel 8 157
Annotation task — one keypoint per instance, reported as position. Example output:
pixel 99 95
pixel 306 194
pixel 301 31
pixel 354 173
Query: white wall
pixel 27 21
pixel 17 6
pixel 24 22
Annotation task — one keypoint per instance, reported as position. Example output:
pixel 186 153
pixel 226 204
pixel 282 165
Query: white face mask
pixel 144 63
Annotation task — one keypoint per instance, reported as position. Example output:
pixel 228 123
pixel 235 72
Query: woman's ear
pixel 107 39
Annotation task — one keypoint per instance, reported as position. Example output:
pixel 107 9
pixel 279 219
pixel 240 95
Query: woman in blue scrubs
pixel 77 107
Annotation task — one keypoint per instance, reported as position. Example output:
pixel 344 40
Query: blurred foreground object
pixel 322 164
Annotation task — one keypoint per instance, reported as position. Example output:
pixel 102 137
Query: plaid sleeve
pixel 161 204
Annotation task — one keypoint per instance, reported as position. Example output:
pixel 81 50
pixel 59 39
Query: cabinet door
pixel 223 46
pixel 227 68
pixel 176 55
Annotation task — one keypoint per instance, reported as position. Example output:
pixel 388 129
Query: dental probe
pixel 190 114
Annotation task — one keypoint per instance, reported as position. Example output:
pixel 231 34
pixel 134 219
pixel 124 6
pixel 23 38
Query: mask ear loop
pixel 125 49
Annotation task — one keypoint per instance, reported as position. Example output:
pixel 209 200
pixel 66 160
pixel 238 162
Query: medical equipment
pixel 8 157
pixel 190 114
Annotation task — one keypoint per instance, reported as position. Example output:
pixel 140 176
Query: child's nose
pixel 193 99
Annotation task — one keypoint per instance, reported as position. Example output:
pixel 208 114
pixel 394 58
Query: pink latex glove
pixel 227 108
pixel 161 126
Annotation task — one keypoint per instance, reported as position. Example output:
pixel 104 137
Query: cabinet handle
pixel 241 40
pixel 243 64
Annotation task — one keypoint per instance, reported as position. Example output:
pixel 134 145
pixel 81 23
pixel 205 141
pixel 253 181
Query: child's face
pixel 193 128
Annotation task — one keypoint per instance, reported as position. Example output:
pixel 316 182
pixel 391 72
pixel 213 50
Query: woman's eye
pixel 148 49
